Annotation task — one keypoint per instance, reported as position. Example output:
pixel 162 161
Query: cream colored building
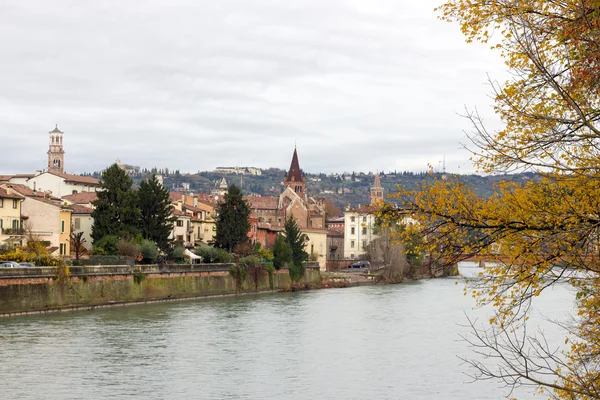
pixel 317 245
pixel 82 221
pixel 49 220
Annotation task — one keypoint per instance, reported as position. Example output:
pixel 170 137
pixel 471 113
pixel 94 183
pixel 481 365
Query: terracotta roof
pixel 4 194
pixel 88 180
pixel 178 213
pixel 56 130
pixel 53 202
pixel 294 174
pixel 175 196
pixel 28 192
pixel 264 203
pixel 23 176
pixel 5 178
pixel 79 209
pixel 269 227
pixel 81 197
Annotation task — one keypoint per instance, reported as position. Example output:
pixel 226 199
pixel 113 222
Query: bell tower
pixel 376 191
pixel 294 179
pixel 56 154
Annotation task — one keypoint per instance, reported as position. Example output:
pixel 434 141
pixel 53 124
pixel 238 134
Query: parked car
pixel 360 264
pixel 27 264
pixel 9 264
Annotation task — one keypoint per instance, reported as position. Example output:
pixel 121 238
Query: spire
pixel 294 174
pixel 377 183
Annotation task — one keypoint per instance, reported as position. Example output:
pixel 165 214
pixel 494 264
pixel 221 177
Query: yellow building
pixel 11 222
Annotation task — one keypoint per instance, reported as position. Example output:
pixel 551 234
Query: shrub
pixel 149 252
pixel 106 245
pixel 127 248
pixel 207 253
pixel 223 256
pixel 177 253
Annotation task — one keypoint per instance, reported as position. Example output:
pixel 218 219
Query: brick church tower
pixel 56 153
pixel 376 191
pixel 295 179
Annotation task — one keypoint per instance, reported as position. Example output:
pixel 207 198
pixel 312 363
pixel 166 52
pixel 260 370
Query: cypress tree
pixel 115 211
pixel 297 241
pixel 232 223
pixel 156 221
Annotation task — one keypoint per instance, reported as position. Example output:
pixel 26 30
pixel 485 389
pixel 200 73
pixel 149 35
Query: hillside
pixel 342 189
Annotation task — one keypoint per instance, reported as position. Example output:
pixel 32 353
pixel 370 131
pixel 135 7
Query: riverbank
pixel 52 289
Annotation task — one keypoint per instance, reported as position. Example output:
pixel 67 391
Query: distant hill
pixel 342 189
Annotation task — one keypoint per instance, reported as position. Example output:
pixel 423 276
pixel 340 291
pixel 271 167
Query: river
pixel 371 342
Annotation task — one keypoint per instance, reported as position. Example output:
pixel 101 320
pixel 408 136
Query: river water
pixel 372 342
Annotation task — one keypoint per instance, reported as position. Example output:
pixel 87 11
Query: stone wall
pixel 47 289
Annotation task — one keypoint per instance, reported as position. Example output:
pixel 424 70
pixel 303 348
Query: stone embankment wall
pixel 26 290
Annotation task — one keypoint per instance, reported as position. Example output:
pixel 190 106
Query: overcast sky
pixel 193 84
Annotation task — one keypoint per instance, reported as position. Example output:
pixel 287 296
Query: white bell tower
pixel 56 154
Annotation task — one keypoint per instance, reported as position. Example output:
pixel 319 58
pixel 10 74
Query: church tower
pixel 56 154
pixel 376 191
pixel 294 178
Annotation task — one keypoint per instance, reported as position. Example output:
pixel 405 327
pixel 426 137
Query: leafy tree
pixel 232 223
pixel 115 211
pixel 156 221
pixel 282 252
pixel 544 231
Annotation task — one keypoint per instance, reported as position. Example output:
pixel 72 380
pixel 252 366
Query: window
pixel 352 219
pixel 15 224
pixel 179 222
pixel 77 223
pixel 364 230
pixel 352 256
pixel 63 249
pixel 1 203
pixel 364 219
pixel 352 231
pixel 352 244
pixel 74 192
pixel 179 238
pixel 15 203
pixel 62 226
pixel 364 244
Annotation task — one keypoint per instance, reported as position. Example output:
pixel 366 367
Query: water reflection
pixel 391 342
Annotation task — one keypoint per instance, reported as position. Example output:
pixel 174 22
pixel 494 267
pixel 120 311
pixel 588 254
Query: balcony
pixel 12 231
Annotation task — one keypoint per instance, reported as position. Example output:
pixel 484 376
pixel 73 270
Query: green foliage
pixel 232 223
pixel 177 253
pixel 250 261
pixel 106 245
pixel 266 254
pixel 149 252
pixel 296 272
pixel 271 270
pixel 282 252
pixel 213 255
pixel 156 222
pixel 138 277
pixel 116 211
pixel 297 241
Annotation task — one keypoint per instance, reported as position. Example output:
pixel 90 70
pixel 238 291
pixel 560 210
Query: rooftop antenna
pixel 444 165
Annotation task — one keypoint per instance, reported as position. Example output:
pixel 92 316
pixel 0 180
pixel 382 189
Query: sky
pixel 192 84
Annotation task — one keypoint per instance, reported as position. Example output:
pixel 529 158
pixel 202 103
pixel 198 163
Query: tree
pixel 545 231
pixel 282 252
pixel 232 222
pixel 115 211
pixel 156 221
pixel 297 241
pixel 77 241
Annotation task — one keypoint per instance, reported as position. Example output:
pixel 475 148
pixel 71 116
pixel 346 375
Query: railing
pixel 12 231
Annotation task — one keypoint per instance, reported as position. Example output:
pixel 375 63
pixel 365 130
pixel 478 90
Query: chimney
pixel 195 202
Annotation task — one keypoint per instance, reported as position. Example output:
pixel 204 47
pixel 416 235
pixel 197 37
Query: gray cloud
pixel 192 85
